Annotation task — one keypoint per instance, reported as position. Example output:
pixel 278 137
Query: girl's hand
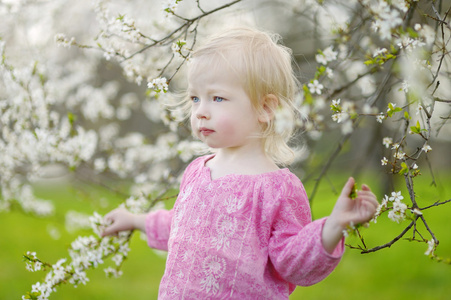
pixel 358 210
pixel 122 220
pixel 347 211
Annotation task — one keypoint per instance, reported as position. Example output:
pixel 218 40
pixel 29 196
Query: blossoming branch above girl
pixel 241 227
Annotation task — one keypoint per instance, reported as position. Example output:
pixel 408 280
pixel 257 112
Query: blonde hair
pixel 265 67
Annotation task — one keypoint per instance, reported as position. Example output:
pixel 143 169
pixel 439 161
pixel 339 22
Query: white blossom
pixel 431 247
pixel 315 87
pixel 428 34
pixel 379 52
pixel 347 128
pixel 329 72
pixel 320 58
pixel 330 54
pixel 401 5
pixel 336 103
pixel 426 148
pixel 137 204
pixel 417 212
pixel 405 86
pixel 62 40
pixel 419 109
pixel 387 142
pixel 75 221
pixel 340 117
pixel 326 56
pixel 380 117
pixel 112 272
pixel 396 196
pixel 399 155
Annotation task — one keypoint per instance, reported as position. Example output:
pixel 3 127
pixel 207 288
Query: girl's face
pixel 222 114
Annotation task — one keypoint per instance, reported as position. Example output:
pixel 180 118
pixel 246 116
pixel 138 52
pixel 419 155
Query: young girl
pixel 241 227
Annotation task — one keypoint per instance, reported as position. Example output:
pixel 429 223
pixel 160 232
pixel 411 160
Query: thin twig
pixel 388 245
pixel 435 204
pixel 187 24
pixel 429 229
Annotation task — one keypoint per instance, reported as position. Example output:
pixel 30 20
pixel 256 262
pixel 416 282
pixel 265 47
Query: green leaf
pixel 417 128
pixel 72 118
pixel 406 115
pixel 412 33
pixel 404 168
pixel 353 193
pixel 392 109
pixel 320 71
pixel 354 115
pixel 335 108
pixel 390 56
pixel 307 95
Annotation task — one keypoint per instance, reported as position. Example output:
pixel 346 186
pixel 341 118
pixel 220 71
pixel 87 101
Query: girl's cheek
pixel 224 124
pixel 194 126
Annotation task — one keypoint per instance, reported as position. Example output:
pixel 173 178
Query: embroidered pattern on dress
pixel 213 269
pixel 233 204
pixel 178 215
pixel 225 228
pixel 185 194
pixel 181 209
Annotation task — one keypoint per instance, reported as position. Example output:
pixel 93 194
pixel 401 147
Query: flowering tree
pixel 380 64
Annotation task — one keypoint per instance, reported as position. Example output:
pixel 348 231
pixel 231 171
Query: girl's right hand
pixel 123 220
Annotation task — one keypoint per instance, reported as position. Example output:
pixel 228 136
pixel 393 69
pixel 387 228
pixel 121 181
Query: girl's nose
pixel 202 111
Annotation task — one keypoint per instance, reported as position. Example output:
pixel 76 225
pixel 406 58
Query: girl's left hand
pixel 347 211
pixel 358 210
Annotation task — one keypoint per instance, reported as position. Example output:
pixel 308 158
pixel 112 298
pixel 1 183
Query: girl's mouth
pixel 205 131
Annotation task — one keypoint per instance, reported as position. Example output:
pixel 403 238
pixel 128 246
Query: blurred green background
pixel 401 272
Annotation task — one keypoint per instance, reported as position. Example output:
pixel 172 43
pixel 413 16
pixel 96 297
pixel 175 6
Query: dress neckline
pixel 207 171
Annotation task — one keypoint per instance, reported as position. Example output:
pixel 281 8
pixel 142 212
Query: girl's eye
pixel 218 99
pixel 195 99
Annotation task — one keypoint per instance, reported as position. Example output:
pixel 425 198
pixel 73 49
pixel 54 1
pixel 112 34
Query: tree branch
pixel 388 245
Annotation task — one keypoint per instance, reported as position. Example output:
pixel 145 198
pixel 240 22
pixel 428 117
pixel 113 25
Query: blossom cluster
pixel 85 252
pixel 158 84
pixel 180 49
pixel 387 17
pixel 397 211
pixel 33 134
pixel 169 6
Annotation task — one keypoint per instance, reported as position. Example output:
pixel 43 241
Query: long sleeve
pixel 158 227
pixel 295 246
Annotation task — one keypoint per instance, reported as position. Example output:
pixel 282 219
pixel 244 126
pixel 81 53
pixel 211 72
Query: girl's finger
pixel 110 230
pixel 348 187
pixel 365 187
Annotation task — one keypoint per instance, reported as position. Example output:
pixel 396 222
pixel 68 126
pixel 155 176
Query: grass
pixel 401 272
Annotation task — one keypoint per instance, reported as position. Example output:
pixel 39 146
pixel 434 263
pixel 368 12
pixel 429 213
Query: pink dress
pixel 239 237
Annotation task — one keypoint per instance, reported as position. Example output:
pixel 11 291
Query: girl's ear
pixel 270 103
